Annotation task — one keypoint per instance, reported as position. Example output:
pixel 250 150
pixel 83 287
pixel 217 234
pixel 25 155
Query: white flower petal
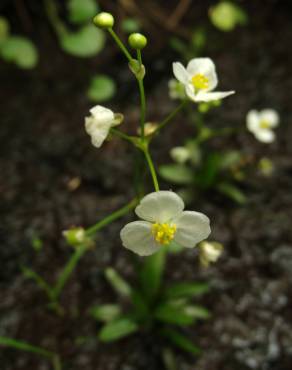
pixel 160 206
pixel 180 72
pixel 253 120
pixel 190 91
pixel 270 116
pixel 97 130
pixel 265 135
pixel 206 67
pixel 209 96
pixel 192 227
pixel 102 114
pixel 137 237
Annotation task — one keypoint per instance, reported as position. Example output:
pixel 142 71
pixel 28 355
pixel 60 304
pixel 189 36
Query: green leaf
pixel 20 51
pixel 4 29
pixel 173 314
pixel 86 42
pixel 37 243
pixel 101 88
pixel 82 10
pixel 24 346
pixel 168 358
pixel 211 166
pixel 106 312
pixel 233 192
pixel 117 329
pixel 176 173
pixel 130 25
pixel 118 283
pixel 151 274
pixel 181 290
pixel 197 312
pixel 140 304
pixel 230 159
pixel 180 341
pixel 226 16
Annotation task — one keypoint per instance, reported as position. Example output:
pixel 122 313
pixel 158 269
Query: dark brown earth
pixel 44 146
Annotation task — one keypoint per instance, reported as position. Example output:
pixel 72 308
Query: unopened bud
pixel 75 236
pixel 137 41
pixel 209 252
pixel 104 20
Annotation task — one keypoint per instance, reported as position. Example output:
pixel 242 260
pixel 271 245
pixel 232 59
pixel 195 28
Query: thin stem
pixel 152 169
pixel 142 97
pixel 120 44
pixel 122 135
pixel 52 13
pixel 31 274
pixel 107 220
pixel 24 346
pixel 67 270
pixel 170 116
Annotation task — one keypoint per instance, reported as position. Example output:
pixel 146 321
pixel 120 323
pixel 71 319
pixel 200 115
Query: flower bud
pixel 104 20
pixel 75 236
pixel 180 154
pixel 149 128
pixel 137 41
pixel 209 252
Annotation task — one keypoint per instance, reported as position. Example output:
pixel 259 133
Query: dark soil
pixel 44 147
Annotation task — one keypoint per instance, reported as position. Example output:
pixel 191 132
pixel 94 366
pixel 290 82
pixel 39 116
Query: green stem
pixel 112 217
pixel 170 116
pixel 53 16
pixel 23 346
pixel 31 274
pixel 67 270
pixel 152 169
pixel 120 44
pixel 142 97
pixel 122 135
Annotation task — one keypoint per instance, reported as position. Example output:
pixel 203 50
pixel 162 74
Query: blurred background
pixel 54 66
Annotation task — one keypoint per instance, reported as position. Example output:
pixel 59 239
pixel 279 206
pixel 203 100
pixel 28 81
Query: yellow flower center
pixel 200 82
pixel 264 124
pixel 163 233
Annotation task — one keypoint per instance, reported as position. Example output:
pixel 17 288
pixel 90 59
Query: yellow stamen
pixel 163 233
pixel 200 82
pixel 264 124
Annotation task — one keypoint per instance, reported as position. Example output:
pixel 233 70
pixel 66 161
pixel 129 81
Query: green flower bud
pixel 137 41
pixel 75 236
pixel 104 20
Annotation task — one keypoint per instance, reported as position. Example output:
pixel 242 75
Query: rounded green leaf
pixel 101 88
pixel 86 42
pixel 82 10
pixel 130 25
pixel 177 174
pixel 226 16
pixel 20 51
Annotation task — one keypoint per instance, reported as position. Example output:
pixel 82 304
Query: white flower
pixel 164 221
pixel 99 124
pixel 180 154
pixel 199 79
pixel 209 252
pixel 262 123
